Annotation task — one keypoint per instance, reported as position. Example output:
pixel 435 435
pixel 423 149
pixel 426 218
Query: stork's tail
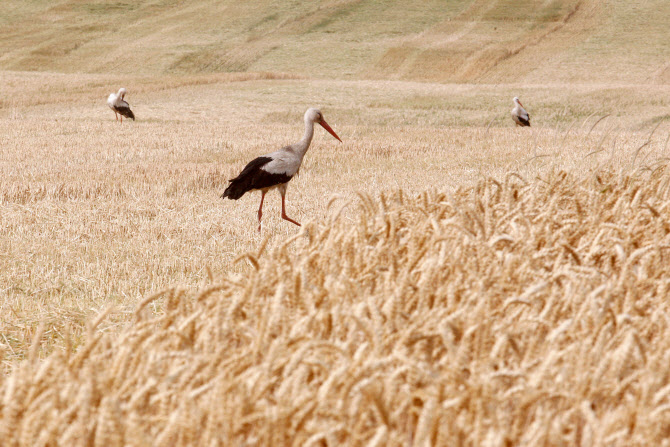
pixel 234 191
pixel 125 112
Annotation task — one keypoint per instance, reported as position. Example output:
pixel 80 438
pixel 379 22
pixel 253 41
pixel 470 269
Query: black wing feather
pixel 253 177
pixel 125 111
pixel 524 121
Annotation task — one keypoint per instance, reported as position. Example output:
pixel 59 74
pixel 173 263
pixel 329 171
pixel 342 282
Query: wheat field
pixel 512 312
pixel 455 281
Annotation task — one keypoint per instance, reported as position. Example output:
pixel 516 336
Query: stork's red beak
pixel 325 125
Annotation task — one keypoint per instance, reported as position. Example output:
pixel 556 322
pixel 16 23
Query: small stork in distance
pixel 276 169
pixel 116 102
pixel 519 114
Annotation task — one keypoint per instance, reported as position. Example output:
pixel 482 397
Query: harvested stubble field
pixel 514 312
pixel 479 284
pixel 456 281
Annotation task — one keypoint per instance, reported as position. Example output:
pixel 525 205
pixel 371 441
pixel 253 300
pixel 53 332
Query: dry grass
pixel 95 214
pixel 457 280
pixel 517 311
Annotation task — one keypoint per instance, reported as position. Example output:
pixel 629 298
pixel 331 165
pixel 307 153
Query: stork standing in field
pixel 276 169
pixel 519 114
pixel 119 106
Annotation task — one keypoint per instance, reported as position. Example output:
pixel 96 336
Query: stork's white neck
pixel 302 145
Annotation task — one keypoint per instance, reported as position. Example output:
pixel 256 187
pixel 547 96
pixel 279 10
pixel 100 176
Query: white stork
pixel 519 114
pixel 276 169
pixel 119 106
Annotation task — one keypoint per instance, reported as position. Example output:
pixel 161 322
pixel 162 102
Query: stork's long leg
pixel 116 115
pixel 260 210
pixel 283 210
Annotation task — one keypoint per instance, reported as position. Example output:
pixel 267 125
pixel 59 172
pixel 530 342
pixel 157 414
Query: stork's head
pixel 315 116
pixel 122 92
pixel 516 101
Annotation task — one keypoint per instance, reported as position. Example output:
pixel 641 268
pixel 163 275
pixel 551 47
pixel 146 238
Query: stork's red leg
pixel 260 210
pixel 283 212
pixel 116 115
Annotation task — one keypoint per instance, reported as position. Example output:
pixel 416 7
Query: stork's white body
pixel 519 114
pixel 119 106
pixel 276 169
pixel 288 159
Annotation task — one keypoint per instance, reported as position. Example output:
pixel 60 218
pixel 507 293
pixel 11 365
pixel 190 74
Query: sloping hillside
pixel 456 41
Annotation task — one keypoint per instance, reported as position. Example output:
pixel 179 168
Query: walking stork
pixel 276 169
pixel 519 114
pixel 119 106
